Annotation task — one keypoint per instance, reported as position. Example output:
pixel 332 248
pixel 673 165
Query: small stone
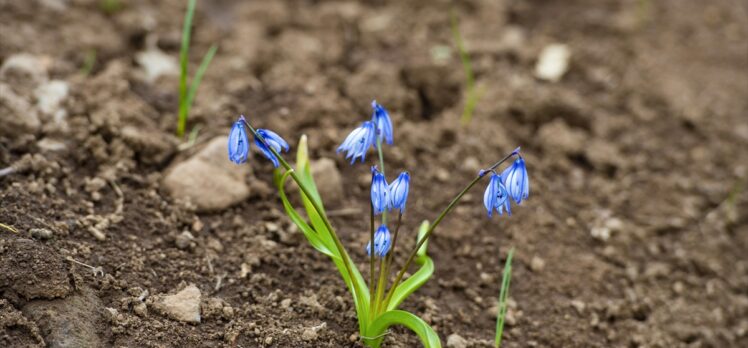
pixel 286 303
pixel 41 233
pixel 442 175
pixel 183 306
pixel 228 312
pixel 141 309
pixel 51 145
pixel 269 340
pixel 600 233
pixel 579 306
pixel 537 264
pixel 50 95
pixel 678 287
pixel 208 179
pixel 184 240
pixel 328 180
pixel 456 341
pixel 156 64
pixel 311 333
pixel 553 62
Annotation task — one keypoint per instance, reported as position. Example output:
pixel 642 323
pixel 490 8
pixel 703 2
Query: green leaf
pixel 425 333
pixel 309 233
pixel 199 76
pixel 503 296
pixel 419 278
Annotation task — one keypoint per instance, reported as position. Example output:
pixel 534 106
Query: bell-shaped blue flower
pixel 496 196
pixel 399 191
pixel 274 140
pixel 516 181
pixel 382 242
pixel 359 141
pixel 383 122
pixel 238 142
pixel 380 192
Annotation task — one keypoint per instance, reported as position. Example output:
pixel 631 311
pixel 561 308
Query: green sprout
pixel 503 298
pixel 472 94
pixel 186 96
pixel 8 227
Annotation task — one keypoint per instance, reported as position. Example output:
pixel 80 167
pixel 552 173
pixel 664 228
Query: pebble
pixel 41 233
pixel 184 240
pixel 50 95
pixel 553 62
pixel 537 264
pixel 456 341
pixel 208 179
pixel 312 333
pixel 183 306
pixel 141 309
pixel 579 306
pixel 328 180
pixel 156 64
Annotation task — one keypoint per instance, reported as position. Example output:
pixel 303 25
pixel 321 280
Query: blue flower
pixel 274 140
pixel 382 242
pixel 496 196
pixel 382 119
pixel 380 193
pixel 399 191
pixel 516 181
pixel 359 141
pixel 238 142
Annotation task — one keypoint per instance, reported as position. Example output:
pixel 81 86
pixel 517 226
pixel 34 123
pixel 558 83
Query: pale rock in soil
pixel 156 64
pixel 184 240
pixel 208 179
pixel 311 333
pixel 50 95
pixel 537 264
pixel 183 306
pixel 553 62
pixel 17 116
pixel 456 341
pixel 328 180
pixel 41 233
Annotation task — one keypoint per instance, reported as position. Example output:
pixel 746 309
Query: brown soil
pixel 643 141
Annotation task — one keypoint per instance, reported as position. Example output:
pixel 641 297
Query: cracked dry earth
pixel 635 233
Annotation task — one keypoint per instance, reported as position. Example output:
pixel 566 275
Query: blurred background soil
pixel 635 134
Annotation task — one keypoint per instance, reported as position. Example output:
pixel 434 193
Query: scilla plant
pixel 377 300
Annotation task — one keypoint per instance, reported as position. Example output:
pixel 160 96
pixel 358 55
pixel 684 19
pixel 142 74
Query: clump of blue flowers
pixel 377 300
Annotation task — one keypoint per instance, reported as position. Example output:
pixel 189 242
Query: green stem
pixel 371 261
pixel 439 219
pixel 386 266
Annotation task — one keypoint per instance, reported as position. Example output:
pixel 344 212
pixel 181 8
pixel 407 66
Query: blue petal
pixel 383 122
pixel 238 144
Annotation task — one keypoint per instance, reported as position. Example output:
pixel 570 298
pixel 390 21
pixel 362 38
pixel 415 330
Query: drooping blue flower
pixel 274 140
pixel 380 192
pixel 238 142
pixel 384 124
pixel 382 242
pixel 516 181
pixel 359 141
pixel 496 196
pixel 399 191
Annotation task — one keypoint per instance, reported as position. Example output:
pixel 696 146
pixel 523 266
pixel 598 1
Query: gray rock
pixel 208 179
pixel 183 306
pixel 16 114
pixel 50 95
pixel 184 240
pixel 69 322
pixel 156 64
pixel 41 233
pixel 456 341
pixel 328 180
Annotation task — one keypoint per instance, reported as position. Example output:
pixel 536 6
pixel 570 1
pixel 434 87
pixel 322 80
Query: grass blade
pixel 199 76
pixel 471 94
pixel 419 278
pixel 503 296
pixel 183 60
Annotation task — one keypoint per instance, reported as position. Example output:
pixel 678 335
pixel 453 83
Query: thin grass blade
pixel 503 296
